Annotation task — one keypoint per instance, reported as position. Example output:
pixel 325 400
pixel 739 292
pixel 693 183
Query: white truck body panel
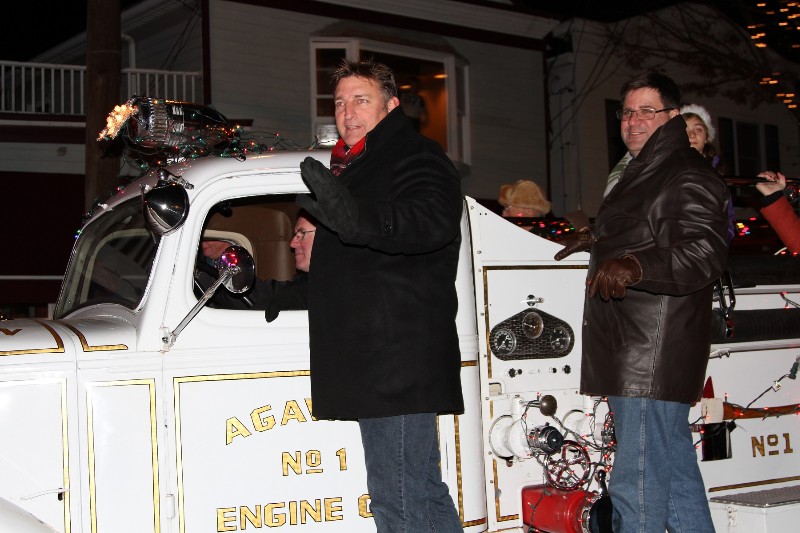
pixel 108 428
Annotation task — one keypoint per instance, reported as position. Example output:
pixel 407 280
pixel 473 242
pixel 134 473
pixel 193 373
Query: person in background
pixel 413 105
pixel 701 132
pixel 212 249
pixel 658 245
pixel 303 241
pixel 778 211
pixel 523 199
pixel 382 297
pixel 270 295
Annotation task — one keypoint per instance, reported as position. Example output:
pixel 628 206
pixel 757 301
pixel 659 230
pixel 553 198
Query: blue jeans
pixel 655 484
pixel 407 494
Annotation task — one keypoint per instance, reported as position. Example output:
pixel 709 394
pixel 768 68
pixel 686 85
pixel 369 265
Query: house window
pixel 748 148
pixel 436 79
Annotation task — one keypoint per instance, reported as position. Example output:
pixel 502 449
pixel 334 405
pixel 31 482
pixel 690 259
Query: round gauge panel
pixel 504 342
pixel 560 339
pixel 532 325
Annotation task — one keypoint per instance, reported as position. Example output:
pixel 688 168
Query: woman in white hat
pixel 701 132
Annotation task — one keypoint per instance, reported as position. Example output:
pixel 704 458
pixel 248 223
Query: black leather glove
pixel 580 241
pixel 281 302
pixel 613 276
pixel 287 296
pixel 334 206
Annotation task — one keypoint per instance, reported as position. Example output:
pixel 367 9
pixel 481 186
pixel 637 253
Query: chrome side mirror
pixel 237 271
pixel 165 208
pixel 237 268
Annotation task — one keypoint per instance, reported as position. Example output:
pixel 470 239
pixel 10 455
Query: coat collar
pixel 392 123
pixel 667 138
pixel 383 133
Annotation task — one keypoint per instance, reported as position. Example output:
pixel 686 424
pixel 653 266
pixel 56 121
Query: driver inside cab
pixel 269 295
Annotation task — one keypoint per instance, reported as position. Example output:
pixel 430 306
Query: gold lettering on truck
pixel 294 461
pixel 262 419
pixel 775 445
pixel 292 412
pixel 262 424
pixel 234 428
pixel 277 514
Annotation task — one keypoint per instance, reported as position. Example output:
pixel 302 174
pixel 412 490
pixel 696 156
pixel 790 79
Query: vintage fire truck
pixel 147 406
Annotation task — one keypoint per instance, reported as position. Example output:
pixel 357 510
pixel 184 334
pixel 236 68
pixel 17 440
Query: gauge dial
pixel 560 339
pixel 532 325
pixel 504 342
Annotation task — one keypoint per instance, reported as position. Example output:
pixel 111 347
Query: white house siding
pixel 173 41
pixel 508 120
pixel 261 67
pixel 261 70
pixel 155 26
pixel 473 15
pixel 579 84
pixel 42 157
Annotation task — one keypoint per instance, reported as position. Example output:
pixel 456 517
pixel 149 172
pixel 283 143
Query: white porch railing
pixel 42 88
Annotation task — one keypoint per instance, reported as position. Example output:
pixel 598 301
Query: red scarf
pixel 341 156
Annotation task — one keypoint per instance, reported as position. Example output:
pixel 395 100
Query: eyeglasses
pixel 301 233
pixel 643 113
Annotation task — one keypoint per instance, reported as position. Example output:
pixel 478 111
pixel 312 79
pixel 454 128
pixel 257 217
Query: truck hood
pixel 29 336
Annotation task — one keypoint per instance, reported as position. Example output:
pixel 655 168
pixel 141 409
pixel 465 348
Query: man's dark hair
pixel 368 69
pixel 666 87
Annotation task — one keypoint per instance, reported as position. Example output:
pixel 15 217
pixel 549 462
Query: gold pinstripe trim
pixel 497 514
pixel 459 475
pixel 59 348
pixel 754 483
pixel 287 374
pixel 177 399
pixel 150 383
pixel 486 270
pixel 87 348
pixel 65 455
pixel 65 495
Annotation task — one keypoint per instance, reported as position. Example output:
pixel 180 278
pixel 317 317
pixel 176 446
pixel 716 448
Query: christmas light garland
pixel 158 132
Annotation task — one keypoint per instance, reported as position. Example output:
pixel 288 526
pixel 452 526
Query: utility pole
pixel 103 65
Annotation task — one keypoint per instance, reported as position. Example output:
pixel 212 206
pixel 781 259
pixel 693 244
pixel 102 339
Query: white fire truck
pixel 146 406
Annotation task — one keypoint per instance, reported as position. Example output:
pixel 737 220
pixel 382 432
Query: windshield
pixel 111 261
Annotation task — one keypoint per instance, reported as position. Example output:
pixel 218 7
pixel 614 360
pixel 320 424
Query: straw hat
pixel 526 194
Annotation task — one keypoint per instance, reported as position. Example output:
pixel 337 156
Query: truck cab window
pixel 111 263
pixel 263 226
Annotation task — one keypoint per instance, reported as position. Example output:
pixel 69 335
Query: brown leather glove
pixel 613 276
pixel 580 241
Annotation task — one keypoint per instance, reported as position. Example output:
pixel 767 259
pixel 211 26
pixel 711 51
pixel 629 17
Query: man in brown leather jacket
pixel 658 244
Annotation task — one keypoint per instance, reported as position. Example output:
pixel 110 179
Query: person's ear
pixel 674 113
pixel 392 103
